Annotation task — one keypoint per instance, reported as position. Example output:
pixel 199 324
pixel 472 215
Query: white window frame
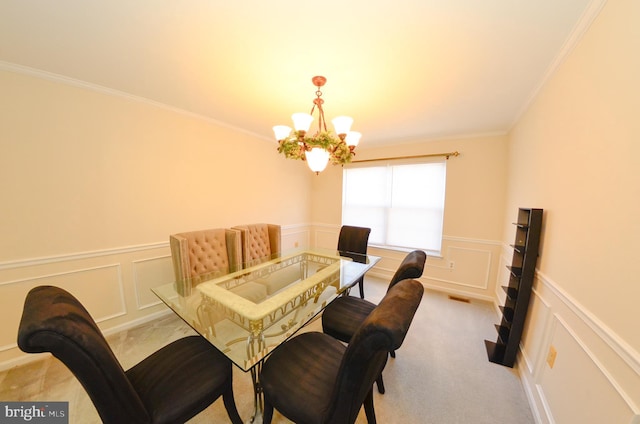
pixel 397 220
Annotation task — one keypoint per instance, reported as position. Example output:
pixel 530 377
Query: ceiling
pixel 403 69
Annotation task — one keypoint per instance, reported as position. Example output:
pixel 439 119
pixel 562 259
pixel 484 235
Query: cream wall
pixel 575 153
pixel 473 221
pixel 111 171
pixel 93 182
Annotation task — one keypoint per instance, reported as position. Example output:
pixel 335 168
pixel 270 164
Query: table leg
pixel 258 396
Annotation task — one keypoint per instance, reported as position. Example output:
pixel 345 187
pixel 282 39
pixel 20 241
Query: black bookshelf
pixel 522 270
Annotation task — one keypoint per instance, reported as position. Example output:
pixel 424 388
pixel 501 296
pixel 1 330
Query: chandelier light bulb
pixel 317 159
pixel 302 121
pixel 353 138
pixel 342 124
pixel 281 132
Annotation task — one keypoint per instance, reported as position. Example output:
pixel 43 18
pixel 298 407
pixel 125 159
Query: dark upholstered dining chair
pixel 352 242
pixel 342 317
pixel 314 378
pixel 171 386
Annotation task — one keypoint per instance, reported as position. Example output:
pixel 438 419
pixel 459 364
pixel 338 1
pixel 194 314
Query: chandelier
pixel 322 147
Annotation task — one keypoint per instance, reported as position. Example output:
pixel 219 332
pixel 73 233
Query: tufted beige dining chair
pixel 263 242
pixel 197 254
pixel 260 242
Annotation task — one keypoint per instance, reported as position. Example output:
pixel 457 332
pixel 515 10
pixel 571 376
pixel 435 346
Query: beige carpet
pixel 441 374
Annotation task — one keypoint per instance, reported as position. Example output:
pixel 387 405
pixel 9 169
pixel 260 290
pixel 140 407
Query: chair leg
pixel 230 405
pixel 361 286
pixel 368 408
pixel 267 413
pixel 380 384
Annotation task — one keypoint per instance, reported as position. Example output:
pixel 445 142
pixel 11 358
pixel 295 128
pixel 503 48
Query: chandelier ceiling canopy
pixel 322 147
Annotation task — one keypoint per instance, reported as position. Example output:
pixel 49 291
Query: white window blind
pixel 402 203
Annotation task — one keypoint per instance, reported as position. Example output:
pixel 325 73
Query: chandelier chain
pixel 322 124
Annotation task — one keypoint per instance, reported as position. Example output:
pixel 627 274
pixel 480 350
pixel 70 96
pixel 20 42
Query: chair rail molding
pixel 18 263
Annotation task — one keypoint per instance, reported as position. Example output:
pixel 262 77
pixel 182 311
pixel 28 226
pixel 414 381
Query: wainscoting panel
pixel 474 263
pixel 149 273
pixel 467 267
pixel 503 276
pixel 114 285
pixel 326 237
pixel 295 236
pixel 536 333
pixel 477 263
pixel 595 398
pixel 594 379
pixel 99 288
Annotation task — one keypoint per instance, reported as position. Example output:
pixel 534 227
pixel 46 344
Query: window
pixel 402 203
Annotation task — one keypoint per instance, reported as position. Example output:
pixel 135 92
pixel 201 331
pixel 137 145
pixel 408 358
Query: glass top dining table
pixel 248 313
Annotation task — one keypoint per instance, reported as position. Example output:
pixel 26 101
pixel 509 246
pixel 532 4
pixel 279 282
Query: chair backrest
pixel 383 331
pixel 260 242
pixel 196 254
pixel 55 321
pixel 353 240
pixel 412 266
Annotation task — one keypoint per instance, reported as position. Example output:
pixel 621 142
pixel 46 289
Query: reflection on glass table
pixel 248 313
